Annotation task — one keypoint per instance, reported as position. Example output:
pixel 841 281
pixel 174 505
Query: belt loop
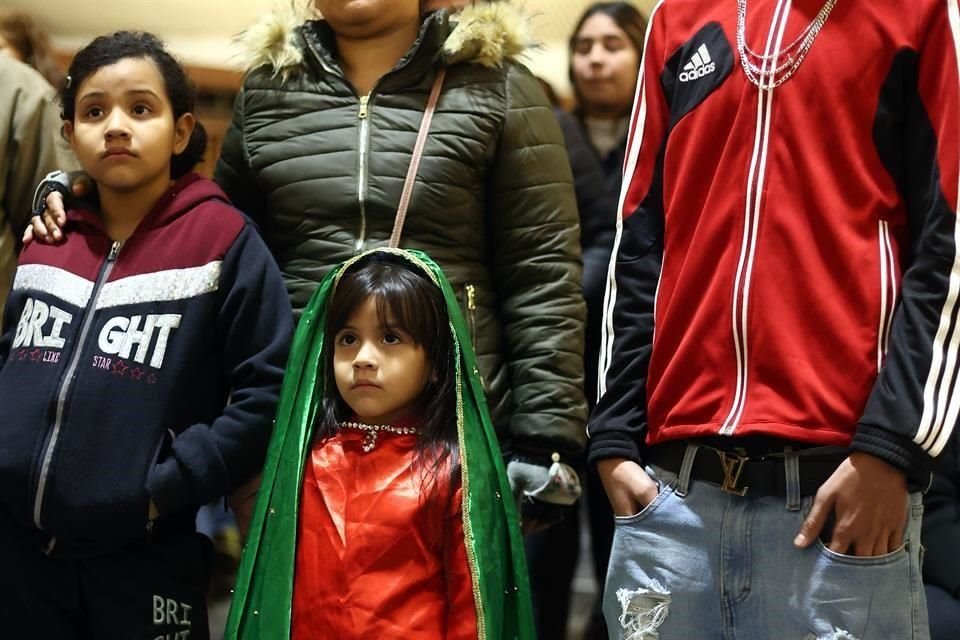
pixel 683 480
pixel 791 468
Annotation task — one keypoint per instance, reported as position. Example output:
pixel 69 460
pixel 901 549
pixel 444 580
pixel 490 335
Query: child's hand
pixel 242 502
pixel 152 512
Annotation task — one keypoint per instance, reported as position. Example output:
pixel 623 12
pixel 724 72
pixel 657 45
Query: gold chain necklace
pixel 759 75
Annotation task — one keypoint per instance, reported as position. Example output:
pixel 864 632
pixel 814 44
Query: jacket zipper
pixel 362 169
pixel 755 186
pixel 471 299
pixel 67 381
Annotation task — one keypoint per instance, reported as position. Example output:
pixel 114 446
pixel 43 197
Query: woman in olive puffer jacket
pixel 321 167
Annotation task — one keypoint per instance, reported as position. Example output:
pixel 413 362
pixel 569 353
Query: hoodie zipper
pixel 67 381
pixel 362 169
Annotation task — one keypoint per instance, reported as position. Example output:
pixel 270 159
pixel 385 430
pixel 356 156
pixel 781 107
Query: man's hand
pixel 628 486
pixel 869 499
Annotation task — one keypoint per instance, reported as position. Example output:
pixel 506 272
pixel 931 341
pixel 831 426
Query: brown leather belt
pixel 744 473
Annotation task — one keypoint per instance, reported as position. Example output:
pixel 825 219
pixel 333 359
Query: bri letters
pixel 35 315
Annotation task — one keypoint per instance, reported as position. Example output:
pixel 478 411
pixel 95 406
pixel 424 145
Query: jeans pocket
pixel 863 561
pixel 654 505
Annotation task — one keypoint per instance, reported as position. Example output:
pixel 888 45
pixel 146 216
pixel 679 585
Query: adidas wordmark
pixel 701 64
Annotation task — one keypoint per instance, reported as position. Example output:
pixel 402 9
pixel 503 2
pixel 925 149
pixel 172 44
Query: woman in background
pixel 604 64
pixel 23 39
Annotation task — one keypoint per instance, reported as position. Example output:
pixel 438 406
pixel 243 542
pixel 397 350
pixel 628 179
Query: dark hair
pixel 626 16
pixel 107 50
pixel 31 42
pixel 417 306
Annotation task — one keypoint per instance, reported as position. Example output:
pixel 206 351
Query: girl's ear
pixel 67 131
pixel 182 130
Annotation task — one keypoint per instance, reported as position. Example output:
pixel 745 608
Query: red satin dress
pixel 373 559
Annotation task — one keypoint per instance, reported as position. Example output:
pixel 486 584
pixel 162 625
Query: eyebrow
pixel 606 37
pixel 132 92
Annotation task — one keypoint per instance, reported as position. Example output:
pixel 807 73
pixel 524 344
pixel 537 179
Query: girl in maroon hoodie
pixel 139 370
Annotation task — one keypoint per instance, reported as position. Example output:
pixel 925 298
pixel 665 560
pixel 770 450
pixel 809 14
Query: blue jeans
pixel 701 564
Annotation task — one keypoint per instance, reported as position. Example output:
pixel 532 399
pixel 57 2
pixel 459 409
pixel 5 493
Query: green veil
pixel 261 607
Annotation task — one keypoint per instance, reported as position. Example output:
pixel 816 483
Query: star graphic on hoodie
pixel 136 373
pixel 119 368
pixel 152 379
pixel 35 355
pixel 23 354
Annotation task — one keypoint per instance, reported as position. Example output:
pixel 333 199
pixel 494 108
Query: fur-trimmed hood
pixel 486 33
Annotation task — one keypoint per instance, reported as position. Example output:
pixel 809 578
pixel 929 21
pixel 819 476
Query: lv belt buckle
pixel 732 464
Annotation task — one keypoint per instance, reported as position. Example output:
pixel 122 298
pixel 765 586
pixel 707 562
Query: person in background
pixel 941 539
pixel 604 60
pixel 22 38
pixel 30 147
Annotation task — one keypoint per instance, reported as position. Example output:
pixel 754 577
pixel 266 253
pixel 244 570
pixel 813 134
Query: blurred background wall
pixel 202 33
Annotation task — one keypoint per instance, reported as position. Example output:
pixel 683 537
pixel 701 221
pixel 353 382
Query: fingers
pixel 38 229
pixel 894 541
pixel 866 545
pixel 82 186
pixel 28 234
pixel 813 525
pixel 55 208
pixel 55 216
pixel 628 486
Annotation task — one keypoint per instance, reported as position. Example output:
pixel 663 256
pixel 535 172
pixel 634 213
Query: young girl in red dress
pixel 401 529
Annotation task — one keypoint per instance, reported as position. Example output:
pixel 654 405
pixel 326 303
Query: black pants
pixel 552 557
pixel 944 611
pixel 154 590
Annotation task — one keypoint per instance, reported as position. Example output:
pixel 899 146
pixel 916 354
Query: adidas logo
pixel 700 65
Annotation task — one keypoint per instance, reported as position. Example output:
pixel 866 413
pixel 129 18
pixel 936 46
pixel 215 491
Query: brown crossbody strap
pixel 415 160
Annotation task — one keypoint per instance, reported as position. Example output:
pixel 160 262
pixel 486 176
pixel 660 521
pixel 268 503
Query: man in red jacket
pixel 779 363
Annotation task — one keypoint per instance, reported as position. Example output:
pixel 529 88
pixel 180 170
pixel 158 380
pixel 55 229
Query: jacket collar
pixel 485 33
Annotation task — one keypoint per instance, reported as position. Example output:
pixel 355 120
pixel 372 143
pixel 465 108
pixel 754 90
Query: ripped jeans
pixel 713 566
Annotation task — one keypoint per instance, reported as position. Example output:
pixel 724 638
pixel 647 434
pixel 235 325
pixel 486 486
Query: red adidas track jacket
pixel 786 258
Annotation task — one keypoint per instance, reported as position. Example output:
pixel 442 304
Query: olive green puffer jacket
pixel 321 170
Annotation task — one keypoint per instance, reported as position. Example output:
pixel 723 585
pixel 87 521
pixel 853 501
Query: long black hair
pixel 110 49
pixel 412 303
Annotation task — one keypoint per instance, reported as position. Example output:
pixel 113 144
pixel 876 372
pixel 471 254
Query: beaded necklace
pixel 370 431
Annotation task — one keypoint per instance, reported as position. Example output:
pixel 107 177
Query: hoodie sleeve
pixel 913 407
pixel 233 172
pixel 209 460
pixel 618 424
pixel 537 266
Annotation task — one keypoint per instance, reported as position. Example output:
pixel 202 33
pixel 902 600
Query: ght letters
pixel 121 334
